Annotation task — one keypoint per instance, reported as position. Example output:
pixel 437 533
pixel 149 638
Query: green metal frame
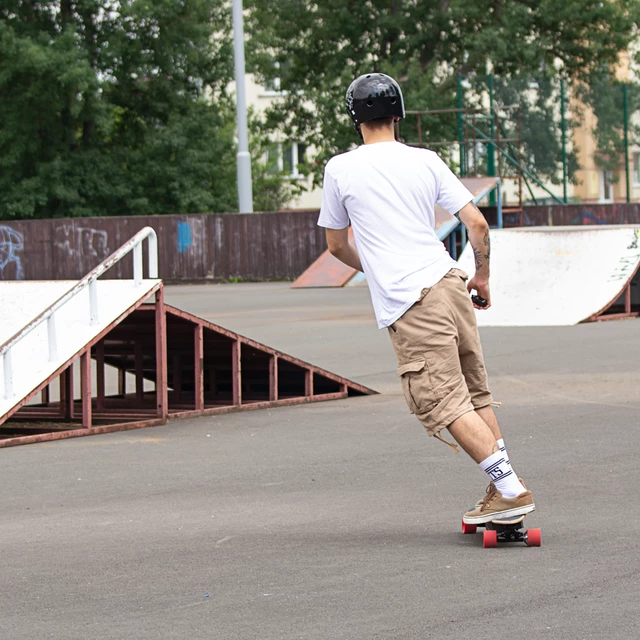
pixel 525 172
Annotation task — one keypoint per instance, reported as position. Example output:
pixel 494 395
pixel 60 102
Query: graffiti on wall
pixel 191 236
pixel 11 246
pixel 185 239
pixel 589 217
pixel 513 220
pixel 79 242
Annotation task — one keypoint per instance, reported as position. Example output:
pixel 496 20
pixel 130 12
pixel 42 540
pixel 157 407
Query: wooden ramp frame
pixel 164 363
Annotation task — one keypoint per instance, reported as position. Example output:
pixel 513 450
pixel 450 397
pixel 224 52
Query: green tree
pixel 115 107
pixel 540 129
pixel 316 49
pixel 605 96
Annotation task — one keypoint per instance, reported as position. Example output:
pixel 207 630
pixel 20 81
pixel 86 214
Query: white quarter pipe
pixel 560 275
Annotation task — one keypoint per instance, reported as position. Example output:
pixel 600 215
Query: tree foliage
pixel 605 95
pixel 316 49
pixel 115 107
pixel 121 106
pixel 538 97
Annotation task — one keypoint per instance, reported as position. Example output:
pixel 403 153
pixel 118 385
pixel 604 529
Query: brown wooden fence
pixel 192 248
pixel 572 214
pixel 214 247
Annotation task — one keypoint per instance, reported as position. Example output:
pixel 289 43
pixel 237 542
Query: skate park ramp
pixel 31 359
pixel 137 361
pixel 328 271
pixel 45 326
pixel 558 276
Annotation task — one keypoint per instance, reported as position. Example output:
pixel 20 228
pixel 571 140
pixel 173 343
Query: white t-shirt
pixel 388 191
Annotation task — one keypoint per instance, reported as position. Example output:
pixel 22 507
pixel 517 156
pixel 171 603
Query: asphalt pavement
pixel 337 520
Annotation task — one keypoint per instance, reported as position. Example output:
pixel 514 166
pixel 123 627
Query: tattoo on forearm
pixel 487 245
pixel 478 256
pixel 483 253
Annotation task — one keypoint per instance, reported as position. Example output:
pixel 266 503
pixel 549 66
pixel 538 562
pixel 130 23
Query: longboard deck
pixel 509 521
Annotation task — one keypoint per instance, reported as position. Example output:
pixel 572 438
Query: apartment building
pixel 597 185
pixel 290 156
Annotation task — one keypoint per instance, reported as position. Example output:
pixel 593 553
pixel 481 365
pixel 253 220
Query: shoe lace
pixel 490 496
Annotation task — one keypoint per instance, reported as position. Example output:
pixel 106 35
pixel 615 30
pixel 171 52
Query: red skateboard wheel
pixel 490 539
pixel 534 537
pixel 469 528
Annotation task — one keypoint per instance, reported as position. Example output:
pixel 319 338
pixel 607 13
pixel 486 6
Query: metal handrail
pixel 135 245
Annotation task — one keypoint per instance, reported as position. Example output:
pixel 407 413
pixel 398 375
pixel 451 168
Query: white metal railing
pixel 89 281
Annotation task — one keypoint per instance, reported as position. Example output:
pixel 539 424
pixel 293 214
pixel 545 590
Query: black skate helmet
pixel 372 96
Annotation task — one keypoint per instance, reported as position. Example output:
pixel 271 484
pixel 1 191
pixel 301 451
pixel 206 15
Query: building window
pixel 288 158
pixel 294 158
pixel 272 85
pixel 606 185
pixel 636 169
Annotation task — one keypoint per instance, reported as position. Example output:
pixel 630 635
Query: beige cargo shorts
pixel 439 355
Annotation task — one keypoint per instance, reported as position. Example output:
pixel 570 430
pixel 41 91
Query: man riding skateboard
pixel 387 192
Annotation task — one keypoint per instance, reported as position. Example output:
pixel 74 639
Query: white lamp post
pixel 245 191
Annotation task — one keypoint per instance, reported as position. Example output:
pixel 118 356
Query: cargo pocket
pixel 416 385
pixel 445 374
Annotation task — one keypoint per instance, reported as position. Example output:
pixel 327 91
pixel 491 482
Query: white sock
pixel 499 470
pixel 504 450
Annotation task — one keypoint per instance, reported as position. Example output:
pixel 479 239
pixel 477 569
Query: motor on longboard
pixel 505 530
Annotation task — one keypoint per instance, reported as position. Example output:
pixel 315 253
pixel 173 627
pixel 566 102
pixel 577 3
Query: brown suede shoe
pixel 495 507
pixel 490 489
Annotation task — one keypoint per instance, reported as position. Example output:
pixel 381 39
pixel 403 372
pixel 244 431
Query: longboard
pixel 505 530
